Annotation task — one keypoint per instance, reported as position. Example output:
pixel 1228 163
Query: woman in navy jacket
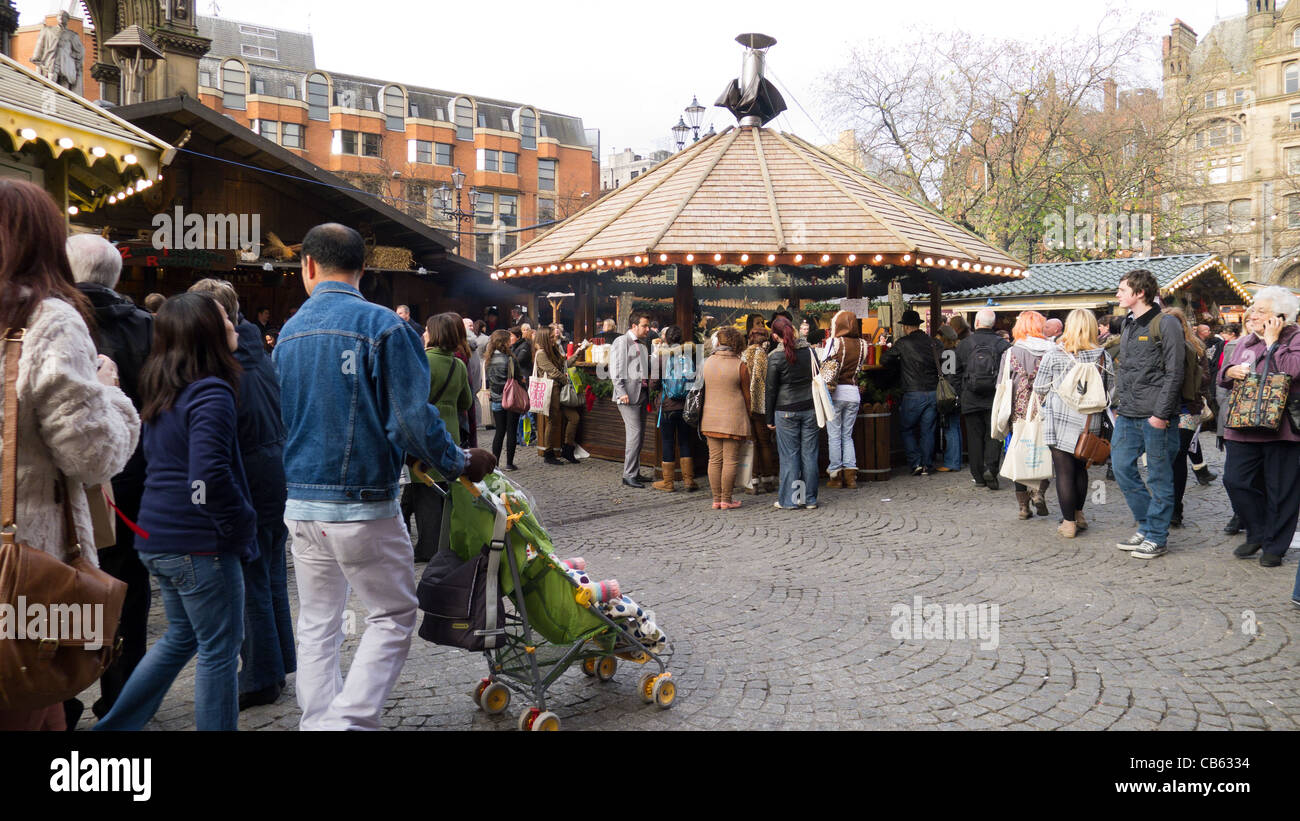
pixel 197 513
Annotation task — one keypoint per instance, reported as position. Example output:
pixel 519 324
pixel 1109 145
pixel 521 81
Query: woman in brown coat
pixel 725 420
pixel 558 429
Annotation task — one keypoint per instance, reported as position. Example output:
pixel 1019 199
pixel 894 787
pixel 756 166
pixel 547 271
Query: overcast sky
pixel 631 72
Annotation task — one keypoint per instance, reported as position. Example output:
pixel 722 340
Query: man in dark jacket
pixel 123 333
pixel 917 355
pixel 979 357
pixel 1148 384
pixel 267 653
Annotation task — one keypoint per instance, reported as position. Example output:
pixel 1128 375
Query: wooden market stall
pixel 751 202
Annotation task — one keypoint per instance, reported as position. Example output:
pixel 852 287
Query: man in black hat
pixel 918 357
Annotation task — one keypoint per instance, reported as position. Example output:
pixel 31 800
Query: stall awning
pixel 112 156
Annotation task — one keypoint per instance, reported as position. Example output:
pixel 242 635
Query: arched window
pixel 395 108
pixel 234 84
pixel 1291 78
pixel 318 97
pixel 463 117
pixel 526 125
pixel 1295 37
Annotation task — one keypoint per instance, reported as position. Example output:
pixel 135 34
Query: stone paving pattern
pixel 781 619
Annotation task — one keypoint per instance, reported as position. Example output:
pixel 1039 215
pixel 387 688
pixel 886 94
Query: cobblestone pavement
pixel 782 619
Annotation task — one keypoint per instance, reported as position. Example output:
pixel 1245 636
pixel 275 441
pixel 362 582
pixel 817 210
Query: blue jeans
pixel 918 414
pixel 267 653
pixel 796 442
pixel 204 600
pixel 839 436
pixel 1152 503
pixel 952 441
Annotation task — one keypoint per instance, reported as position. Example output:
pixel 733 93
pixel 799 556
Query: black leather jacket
pixel 789 386
pixel 916 353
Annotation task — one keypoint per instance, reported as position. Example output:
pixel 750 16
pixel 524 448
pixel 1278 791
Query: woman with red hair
pixel 1021 361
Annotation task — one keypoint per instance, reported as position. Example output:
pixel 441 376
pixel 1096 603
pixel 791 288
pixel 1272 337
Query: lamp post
pixel 680 132
pixel 444 198
pixel 695 116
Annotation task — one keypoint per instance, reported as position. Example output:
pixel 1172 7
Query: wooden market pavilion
pixel 752 199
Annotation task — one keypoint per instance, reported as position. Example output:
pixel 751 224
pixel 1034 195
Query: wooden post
pixel 936 307
pixel 853 282
pixel 684 300
pixel 584 311
pixel 896 308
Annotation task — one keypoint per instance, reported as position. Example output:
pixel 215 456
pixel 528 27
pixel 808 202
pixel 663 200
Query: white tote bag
pixel 745 467
pixel 1003 399
pixel 1027 459
pixel 539 393
pixel 1082 389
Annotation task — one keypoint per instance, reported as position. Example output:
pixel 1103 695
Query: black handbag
pixel 693 407
pixel 462 601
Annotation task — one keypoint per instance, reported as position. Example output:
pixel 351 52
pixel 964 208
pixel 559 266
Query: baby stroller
pixel 492 551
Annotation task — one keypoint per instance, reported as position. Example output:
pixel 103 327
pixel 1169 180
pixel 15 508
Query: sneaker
pixel 1132 543
pixel 926 472
pixel 979 483
pixel 1270 560
pixel 918 471
pixel 1296 602
pixel 780 506
pixel 1149 550
pixel 810 506
pixel 1245 551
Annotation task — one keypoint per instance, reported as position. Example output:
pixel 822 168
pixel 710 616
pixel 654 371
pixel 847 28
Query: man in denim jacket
pixel 354 396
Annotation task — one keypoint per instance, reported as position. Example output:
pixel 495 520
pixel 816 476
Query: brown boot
pixel 1022 499
pixel 688 473
pixel 667 482
pixel 1080 523
pixel 1068 529
pixel 850 478
pixel 836 480
pixel 1040 503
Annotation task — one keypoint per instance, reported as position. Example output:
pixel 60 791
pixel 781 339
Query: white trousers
pixel 374 558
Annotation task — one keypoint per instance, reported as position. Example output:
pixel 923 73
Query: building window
pixel 1291 78
pixel 509 162
pixel 421 151
pixel 417 200
pixel 369 145
pixel 1293 211
pixel 258 31
pixel 1292 160
pixel 464 118
pixel 346 142
pixel 508 209
pixel 352 142
pixel 205 79
pixel 233 86
pixel 318 97
pixel 1239 214
pixel 545 210
pixel 483 208
pixel 546 175
pixel 1239 96
pixel 487 159
pixel 1226 169
pixel 1209 99
pixel 268 129
pixel 442 153
pixel 258 52
pixel 259 85
pixel 1240 262
pixel 1216 217
pixel 290 93
pixel 483 249
pixel 527 128
pixel 291 135
pixel 394 109
pixel 1191 218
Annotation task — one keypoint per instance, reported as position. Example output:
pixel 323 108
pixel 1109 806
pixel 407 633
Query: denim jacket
pixel 354 393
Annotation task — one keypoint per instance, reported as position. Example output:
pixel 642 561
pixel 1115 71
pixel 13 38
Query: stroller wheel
pixel 494 699
pixel 526 718
pixel 546 722
pixel 665 691
pixel 646 687
pixel 606 667
pixel 589 667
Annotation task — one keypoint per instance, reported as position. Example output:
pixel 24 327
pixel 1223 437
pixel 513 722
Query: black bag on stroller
pixel 462 600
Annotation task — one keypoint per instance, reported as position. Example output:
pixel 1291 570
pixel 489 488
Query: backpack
pixel 1193 365
pixel 682 371
pixel 1082 388
pixel 981 371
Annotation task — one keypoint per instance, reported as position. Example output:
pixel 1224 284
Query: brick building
pixel 402 142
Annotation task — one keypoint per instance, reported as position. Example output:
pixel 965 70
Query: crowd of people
pixel 218 451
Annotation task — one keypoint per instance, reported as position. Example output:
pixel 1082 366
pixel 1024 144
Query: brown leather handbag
pixel 1091 448
pixel 63 615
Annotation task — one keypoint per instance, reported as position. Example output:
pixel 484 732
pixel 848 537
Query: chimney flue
pixel 752 98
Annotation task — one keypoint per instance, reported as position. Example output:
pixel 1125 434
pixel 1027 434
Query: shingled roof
pixel 1102 276
pixel 754 196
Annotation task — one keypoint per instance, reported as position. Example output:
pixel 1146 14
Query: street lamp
pixel 444 202
pixel 695 116
pixel 680 132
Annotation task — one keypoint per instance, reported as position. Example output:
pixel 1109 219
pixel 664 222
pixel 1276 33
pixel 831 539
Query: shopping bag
pixel 539 394
pixel 821 401
pixel 1002 401
pixel 745 467
pixel 1027 459
pixel 579 452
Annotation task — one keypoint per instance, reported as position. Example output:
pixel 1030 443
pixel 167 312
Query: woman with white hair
pixel 1269 508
